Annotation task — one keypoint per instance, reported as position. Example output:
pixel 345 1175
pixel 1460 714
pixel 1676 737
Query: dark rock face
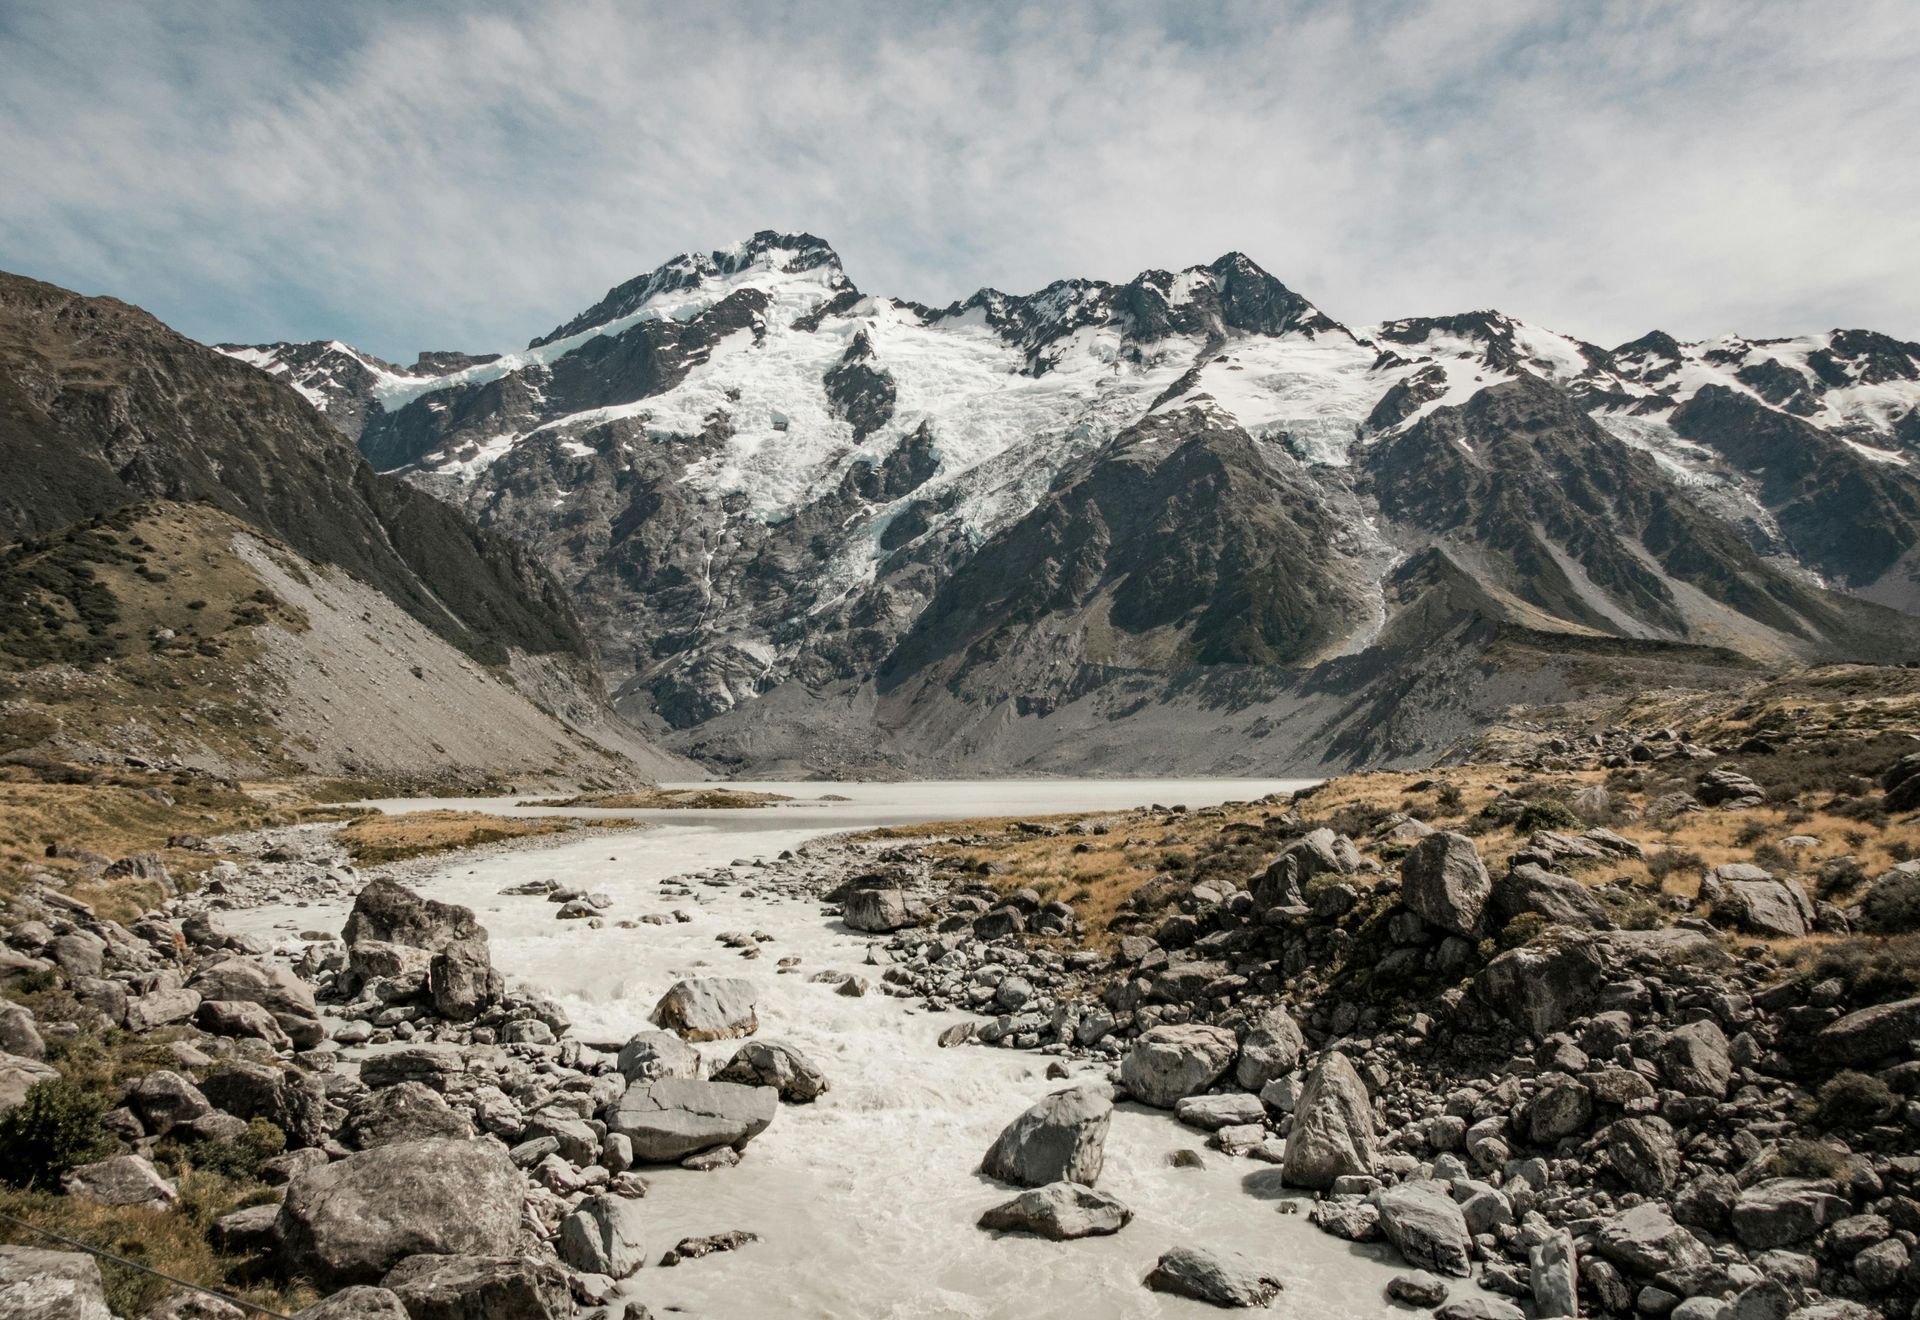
pixel 104 405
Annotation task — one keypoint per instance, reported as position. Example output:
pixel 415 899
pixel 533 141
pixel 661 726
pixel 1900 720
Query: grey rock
pixel 477 1287
pixel 1542 987
pixel 387 911
pixel 672 1118
pixel 1443 879
pixel 1871 1033
pixel 1646 1240
pixel 1167 1063
pixel 50 1285
pixel 1643 1152
pixel 1219 1278
pixel 1780 1212
pixel 783 1067
pixel 1271 1050
pixel 1060 1211
pixel 164 1099
pixel 160 1008
pixel 1694 1059
pixel 18 1075
pixel 1553 1275
pixel 406 1111
pixel 360 1302
pixel 121 1180
pixel 1333 1132
pixel 1426 1225
pixel 652 1055
pixel 239 1017
pixel 1213 1112
pixel 352 1220
pixel 1479 1308
pixel 708 1008
pixel 1559 898
pixel 877 910
pixel 1356 1221
pixel 1062 1138
pixel 605 1235
pixel 1418 1288
pixel 19 1034
pixel 462 980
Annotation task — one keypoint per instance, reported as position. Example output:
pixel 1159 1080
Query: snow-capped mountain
pixel 810 525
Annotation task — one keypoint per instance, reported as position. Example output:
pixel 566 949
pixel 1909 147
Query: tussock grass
pixel 374 839
pixel 670 799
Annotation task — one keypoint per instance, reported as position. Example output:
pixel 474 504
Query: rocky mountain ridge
pixel 811 528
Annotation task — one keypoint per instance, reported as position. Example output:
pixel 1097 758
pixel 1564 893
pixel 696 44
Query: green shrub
pixel 1449 799
pixel 1851 1100
pixel 1664 863
pixel 241 1156
pixel 1547 814
pixel 1892 906
pixel 54 1129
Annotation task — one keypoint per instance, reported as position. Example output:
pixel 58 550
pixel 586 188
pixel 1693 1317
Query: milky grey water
pixel 865 1201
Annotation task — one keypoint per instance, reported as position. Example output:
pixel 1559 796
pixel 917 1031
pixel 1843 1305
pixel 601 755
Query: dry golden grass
pixel 1097 873
pixel 670 799
pixel 374 839
pixel 171 1241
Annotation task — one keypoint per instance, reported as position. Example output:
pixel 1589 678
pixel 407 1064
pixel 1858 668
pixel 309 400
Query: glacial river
pixel 865 1201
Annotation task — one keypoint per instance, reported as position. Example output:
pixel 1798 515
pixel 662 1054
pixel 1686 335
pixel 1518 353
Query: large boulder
pixel 877 909
pixel 1332 1134
pixel 651 1055
pixel 389 912
pixel 1063 1138
pixel 1219 1278
pixel 408 1111
pixel 1443 879
pixel 462 981
pixel 605 1235
pixel 50 1285
pixel 354 1219
pixel 1871 1034
pixel 1060 1211
pixel 121 1180
pixel 1553 1274
pixel 672 1118
pixel 292 1102
pixel 1542 987
pixel 159 1008
pixel 163 1100
pixel 772 1063
pixel 1168 1063
pixel 19 1033
pixel 1645 1240
pixel 708 1008
pixel 1426 1226
pixel 1271 1050
pixel 19 1075
pixel 1282 883
pixel 477 1287
pixel 1642 1150
pixel 361 1302
pixel 1781 1212
pixel 1749 899
pixel 269 985
pixel 1694 1059
pixel 1558 898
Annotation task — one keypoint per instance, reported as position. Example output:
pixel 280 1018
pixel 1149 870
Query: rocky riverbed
pixel 812 1075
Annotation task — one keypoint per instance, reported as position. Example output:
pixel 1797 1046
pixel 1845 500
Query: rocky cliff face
pixel 102 405
pixel 812 527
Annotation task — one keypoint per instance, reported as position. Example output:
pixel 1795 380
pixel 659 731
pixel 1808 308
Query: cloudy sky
pixel 466 176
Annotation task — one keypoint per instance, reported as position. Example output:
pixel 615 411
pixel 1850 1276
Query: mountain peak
pixel 767 251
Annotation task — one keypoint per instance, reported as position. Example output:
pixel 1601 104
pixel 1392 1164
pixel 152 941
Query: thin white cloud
pixel 419 176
